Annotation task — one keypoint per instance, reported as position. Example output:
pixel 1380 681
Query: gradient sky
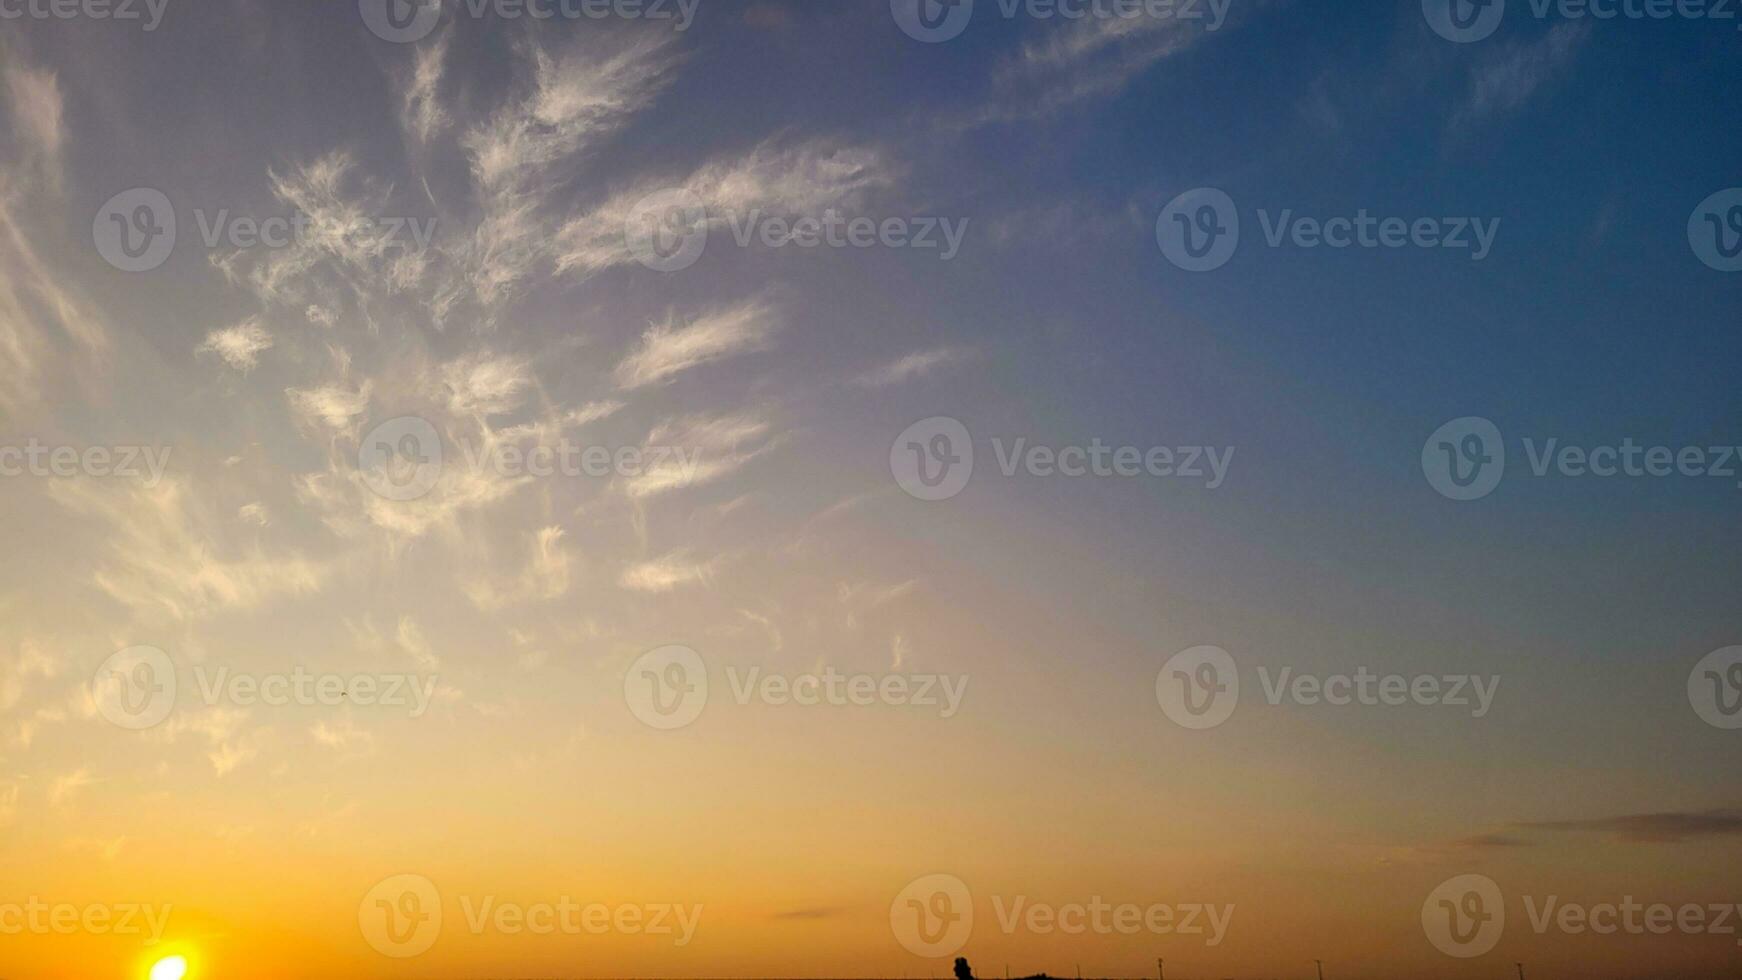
pixel 791 372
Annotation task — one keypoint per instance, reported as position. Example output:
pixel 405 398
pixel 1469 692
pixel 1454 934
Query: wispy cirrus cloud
pixel 671 347
pixel 666 573
pixel 577 97
pixel 34 99
pixel 545 575
pixel 1093 58
pixel 421 113
pixel 711 447
pixel 335 407
pixel 37 312
pixel 1511 74
pixel 483 384
pixel 914 365
pixel 776 180
pixel 239 346
pixel 168 556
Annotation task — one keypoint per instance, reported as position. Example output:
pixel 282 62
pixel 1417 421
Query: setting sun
pixel 170 968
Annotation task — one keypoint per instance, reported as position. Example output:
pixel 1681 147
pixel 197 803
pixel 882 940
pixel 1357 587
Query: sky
pixel 814 489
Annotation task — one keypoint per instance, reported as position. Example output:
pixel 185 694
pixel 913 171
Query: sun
pixel 170 968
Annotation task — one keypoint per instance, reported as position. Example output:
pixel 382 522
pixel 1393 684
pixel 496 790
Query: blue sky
pixel 529 319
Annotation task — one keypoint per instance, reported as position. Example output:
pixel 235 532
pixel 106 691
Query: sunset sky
pixel 470 279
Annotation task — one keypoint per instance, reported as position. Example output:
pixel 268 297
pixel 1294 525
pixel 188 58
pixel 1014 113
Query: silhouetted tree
pixel 963 970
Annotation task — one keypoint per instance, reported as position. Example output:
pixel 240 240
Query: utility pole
pixel 1520 970
pixel 1160 971
pixel 1321 965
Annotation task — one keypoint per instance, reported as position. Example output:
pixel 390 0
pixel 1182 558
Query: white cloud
pixel 16 672
pixel 482 385
pixel 422 113
pixel 36 309
pixel 706 449
pixel 37 107
pixel 578 97
pixel 808 179
pixel 668 348
pixel 333 406
pixel 545 576
pixel 168 555
pixel 917 364
pixel 1509 75
pixel 240 346
pixel 665 574
pixel 65 787
pixel 1088 59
